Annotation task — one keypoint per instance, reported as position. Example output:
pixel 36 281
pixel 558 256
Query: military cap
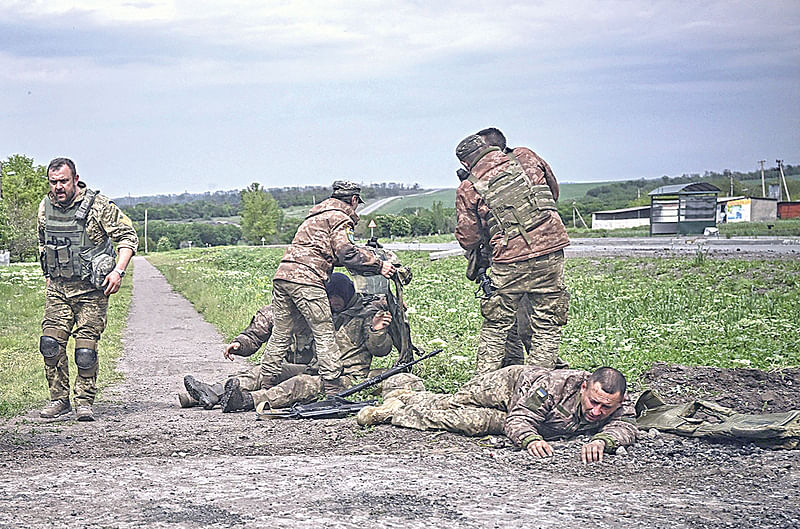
pixel 469 146
pixel 345 189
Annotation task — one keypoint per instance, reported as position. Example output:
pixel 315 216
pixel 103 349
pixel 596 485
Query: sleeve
pixel 379 343
pixel 41 220
pixel 348 254
pixel 550 178
pixel 119 227
pixel 257 333
pixel 530 404
pixel 468 224
pixel 620 429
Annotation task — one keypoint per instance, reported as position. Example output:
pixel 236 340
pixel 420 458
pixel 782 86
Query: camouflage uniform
pixel 325 239
pixel 525 403
pixel 73 306
pixel 357 343
pixel 518 268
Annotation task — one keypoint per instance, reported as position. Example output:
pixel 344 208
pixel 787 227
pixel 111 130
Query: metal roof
pixel 623 210
pixel 685 189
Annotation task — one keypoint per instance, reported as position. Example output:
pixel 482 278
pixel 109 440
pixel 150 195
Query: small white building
pixel 746 209
pixel 613 219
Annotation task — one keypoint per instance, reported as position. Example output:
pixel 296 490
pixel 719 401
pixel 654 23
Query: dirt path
pixel 146 462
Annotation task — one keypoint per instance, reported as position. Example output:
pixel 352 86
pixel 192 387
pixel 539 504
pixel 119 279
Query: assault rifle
pixel 338 406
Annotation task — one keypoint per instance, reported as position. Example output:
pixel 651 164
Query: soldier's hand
pixel 111 282
pixel 593 451
pixel 387 269
pixel 229 349
pixel 540 449
pixel 381 320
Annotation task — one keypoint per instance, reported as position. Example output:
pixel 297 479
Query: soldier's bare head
pixel 602 393
pixel 62 179
pixel 492 136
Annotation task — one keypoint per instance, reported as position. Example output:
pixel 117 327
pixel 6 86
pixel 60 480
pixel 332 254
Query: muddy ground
pixel 146 462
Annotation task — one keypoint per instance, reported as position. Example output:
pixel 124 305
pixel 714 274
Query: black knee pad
pixel 49 347
pixel 86 360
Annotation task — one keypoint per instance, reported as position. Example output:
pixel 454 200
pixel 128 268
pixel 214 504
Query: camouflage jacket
pixel 260 329
pixel 104 219
pixel 324 240
pixel 472 211
pixel 546 405
pixel 356 339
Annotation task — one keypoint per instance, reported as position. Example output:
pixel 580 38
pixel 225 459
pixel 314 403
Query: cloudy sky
pixel 168 96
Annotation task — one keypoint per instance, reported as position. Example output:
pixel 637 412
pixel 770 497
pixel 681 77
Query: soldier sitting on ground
pixel 361 333
pixel 530 405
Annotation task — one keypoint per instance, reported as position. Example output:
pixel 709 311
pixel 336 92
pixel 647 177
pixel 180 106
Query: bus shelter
pixel 683 209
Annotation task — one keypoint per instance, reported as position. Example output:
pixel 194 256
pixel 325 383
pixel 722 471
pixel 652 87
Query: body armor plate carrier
pixel 517 207
pixel 68 251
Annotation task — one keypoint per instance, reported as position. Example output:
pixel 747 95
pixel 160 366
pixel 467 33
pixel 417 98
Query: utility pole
pixel 1 180
pixel 783 178
pixel 145 231
pixel 763 185
pixel 730 175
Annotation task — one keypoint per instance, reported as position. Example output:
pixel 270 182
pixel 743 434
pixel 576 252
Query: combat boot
pixel 235 399
pixel 206 394
pixel 186 400
pixel 84 413
pixel 372 415
pixel 55 408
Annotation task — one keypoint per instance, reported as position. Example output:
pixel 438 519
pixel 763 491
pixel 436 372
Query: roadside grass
pixel 21 308
pixel 625 312
pixel 774 228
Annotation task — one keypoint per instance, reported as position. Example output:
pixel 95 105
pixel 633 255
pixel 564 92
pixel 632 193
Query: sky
pixel 168 96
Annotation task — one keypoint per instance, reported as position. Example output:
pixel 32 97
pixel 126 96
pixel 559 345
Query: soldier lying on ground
pixel 361 333
pixel 530 405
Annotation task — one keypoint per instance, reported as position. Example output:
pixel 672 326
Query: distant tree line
pixel 163 235
pixel 411 221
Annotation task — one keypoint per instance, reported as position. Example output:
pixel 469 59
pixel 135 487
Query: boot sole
pixel 86 418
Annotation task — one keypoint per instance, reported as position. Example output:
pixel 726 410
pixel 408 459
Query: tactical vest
pixel 68 250
pixel 371 284
pixel 517 207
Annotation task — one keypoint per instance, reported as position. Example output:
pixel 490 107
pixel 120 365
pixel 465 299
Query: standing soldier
pixel 325 239
pixel 75 228
pixel 507 199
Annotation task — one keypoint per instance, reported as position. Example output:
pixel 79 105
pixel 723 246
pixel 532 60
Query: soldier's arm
pixel 349 255
pixel 118 227
pixel 254 336
pixel 468 225
pixel 376 329
pixel 620 429
pixel 41 219
pixel 550 178
pixel 528 409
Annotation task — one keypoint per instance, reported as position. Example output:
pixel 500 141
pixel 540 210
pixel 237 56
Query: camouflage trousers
pixel 291 303
pixel 539 281
pixel 82 316
pixel 303 388
pixel 478 408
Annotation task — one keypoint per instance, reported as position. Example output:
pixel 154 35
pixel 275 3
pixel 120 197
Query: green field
pixel 448 198
pixel 21 308
pixel 627 313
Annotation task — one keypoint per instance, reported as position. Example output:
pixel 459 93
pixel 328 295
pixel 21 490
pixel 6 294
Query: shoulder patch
pixel 535 401
pixel 351 236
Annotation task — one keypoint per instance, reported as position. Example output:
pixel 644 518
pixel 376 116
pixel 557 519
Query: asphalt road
pixel 735 247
